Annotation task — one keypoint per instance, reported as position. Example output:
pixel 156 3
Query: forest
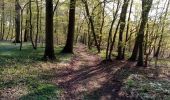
pixel 84 50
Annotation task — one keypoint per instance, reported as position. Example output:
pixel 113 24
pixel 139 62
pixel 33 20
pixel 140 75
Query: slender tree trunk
pixel 26 27
pixel 102 24
pixel 30 24
pixel 3 20
pixel 162 31
pixel 9 27
pixel 21 28
pixel 13 27
pixel 127 30
pixel 37 33
pixel 17 22
pixel 92 25
pixel 110 33
pixel 122 27
pixel 113 40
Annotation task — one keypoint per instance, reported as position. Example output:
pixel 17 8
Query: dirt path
pixel 87 78
pixel 74 79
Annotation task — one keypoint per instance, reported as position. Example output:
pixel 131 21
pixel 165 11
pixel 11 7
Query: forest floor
pixel 82 76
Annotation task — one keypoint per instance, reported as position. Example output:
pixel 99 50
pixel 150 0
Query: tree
pixel 122 27
pixel 70 36
pixel 26 26
pixel 91 25
pixel 17 21
pixel 110 40
pixel 146 6
pixel 128 36
pixel 49 44
pixel 138 49
pixel 3 20
pixel 160 42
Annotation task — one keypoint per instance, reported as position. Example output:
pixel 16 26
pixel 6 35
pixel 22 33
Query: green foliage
pixel 42 92
pixel 130 83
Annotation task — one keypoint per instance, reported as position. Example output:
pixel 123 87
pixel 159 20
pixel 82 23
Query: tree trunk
pixel 3 20
pixel 26 27
pixel 70 36
pixel 122 27
pixel 127 30
pixel 109 40
pixel 17 22
pixel 49 44
pixel 146 6
pixel 92 25
pixel 37 33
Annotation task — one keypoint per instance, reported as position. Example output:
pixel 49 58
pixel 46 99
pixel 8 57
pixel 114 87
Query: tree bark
pixel 71 27
pixel 122 27
pixel 49 44
pixel 17 21
pixel 127 30
pixel 146 6
pixel 92 25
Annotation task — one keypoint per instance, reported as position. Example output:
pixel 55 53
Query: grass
pixel 21 72
pixel 41 91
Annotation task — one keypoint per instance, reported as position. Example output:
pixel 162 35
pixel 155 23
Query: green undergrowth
pixel 144 88
pixel 161 62
pixel 42 91
pixel 26 75
pixel 102 54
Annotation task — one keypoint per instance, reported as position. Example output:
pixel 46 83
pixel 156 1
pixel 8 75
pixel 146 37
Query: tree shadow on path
pixel 86 78
pixel 100 82
pixel 110 90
